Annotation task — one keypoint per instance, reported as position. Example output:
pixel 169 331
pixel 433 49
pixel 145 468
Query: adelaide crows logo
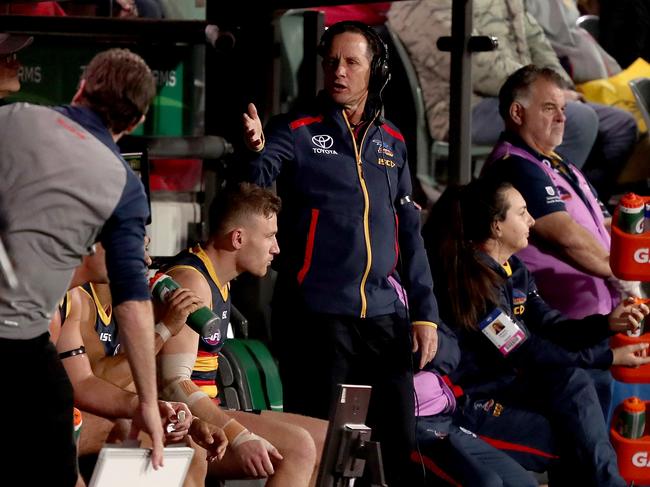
pixel 213 339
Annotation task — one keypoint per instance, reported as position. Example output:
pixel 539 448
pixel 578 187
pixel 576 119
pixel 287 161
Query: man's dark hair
pixel 518 84
pixel 234 203
pixel 373 39
pixel 119 88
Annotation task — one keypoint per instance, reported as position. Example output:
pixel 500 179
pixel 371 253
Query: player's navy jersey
pixel 205 368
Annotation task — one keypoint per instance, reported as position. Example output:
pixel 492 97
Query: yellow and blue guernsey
pixel 105 325
pixel 204 374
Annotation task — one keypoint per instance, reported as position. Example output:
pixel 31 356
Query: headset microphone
pixel 379 119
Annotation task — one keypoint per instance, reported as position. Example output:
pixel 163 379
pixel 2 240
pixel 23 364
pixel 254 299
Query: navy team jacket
pixel 347 213
pixel 553 340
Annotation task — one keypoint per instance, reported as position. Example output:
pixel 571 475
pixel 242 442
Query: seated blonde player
pixel 94 305
pixel 86 320
pixel 243 224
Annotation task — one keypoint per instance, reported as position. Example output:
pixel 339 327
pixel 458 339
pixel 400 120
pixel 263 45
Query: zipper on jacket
pixel 366 213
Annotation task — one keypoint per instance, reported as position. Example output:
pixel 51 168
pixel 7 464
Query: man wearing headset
pixel 350 235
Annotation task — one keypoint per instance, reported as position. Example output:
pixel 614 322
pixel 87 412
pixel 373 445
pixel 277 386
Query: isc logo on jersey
pixel 642 255
pixel 640 459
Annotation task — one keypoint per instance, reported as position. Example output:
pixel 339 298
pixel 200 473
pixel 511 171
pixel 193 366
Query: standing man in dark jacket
pixel 350 234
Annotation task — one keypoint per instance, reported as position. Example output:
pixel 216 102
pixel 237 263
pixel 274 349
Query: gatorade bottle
pixel 631 420
pixel 203 320
pixel 631 209
pixel 636 333
pixel 641 329
pixel 646 220
pixel 77 422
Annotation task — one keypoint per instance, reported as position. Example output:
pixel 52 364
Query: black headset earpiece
pixel 379 68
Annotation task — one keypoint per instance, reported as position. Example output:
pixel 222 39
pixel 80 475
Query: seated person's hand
pixel 177 307
pixel 255 454
pixel 627 315
pixel 631 355
pixel 210 437
pixel 176 418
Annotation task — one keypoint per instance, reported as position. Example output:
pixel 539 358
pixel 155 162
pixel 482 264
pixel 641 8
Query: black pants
pixel 319 351
pixel 36 412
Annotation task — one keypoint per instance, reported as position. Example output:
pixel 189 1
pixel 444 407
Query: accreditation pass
pixel 504 333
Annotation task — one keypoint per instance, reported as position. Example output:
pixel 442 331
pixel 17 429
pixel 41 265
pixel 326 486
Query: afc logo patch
pixel 213 339
pixel 385 153
pixel 518 302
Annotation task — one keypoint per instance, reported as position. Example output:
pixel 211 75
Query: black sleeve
pixel 483 369
pixel 537 351
pixel 572 334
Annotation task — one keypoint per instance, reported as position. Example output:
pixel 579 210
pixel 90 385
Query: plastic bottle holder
pixel 637 375
pixel 630 260
pixel 633 455
pixel 630 254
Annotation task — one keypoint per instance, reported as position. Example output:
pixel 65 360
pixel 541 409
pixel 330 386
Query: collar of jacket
pixel 493 264
pixel 332 109
pixel 91 121
pixel 517 141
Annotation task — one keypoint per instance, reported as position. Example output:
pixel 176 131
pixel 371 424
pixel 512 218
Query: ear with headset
pixel 379 67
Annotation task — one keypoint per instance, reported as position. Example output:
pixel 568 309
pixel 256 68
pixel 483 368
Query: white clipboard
pixel 121 466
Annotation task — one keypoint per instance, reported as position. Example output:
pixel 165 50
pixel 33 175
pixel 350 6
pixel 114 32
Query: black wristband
pixel 71 353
